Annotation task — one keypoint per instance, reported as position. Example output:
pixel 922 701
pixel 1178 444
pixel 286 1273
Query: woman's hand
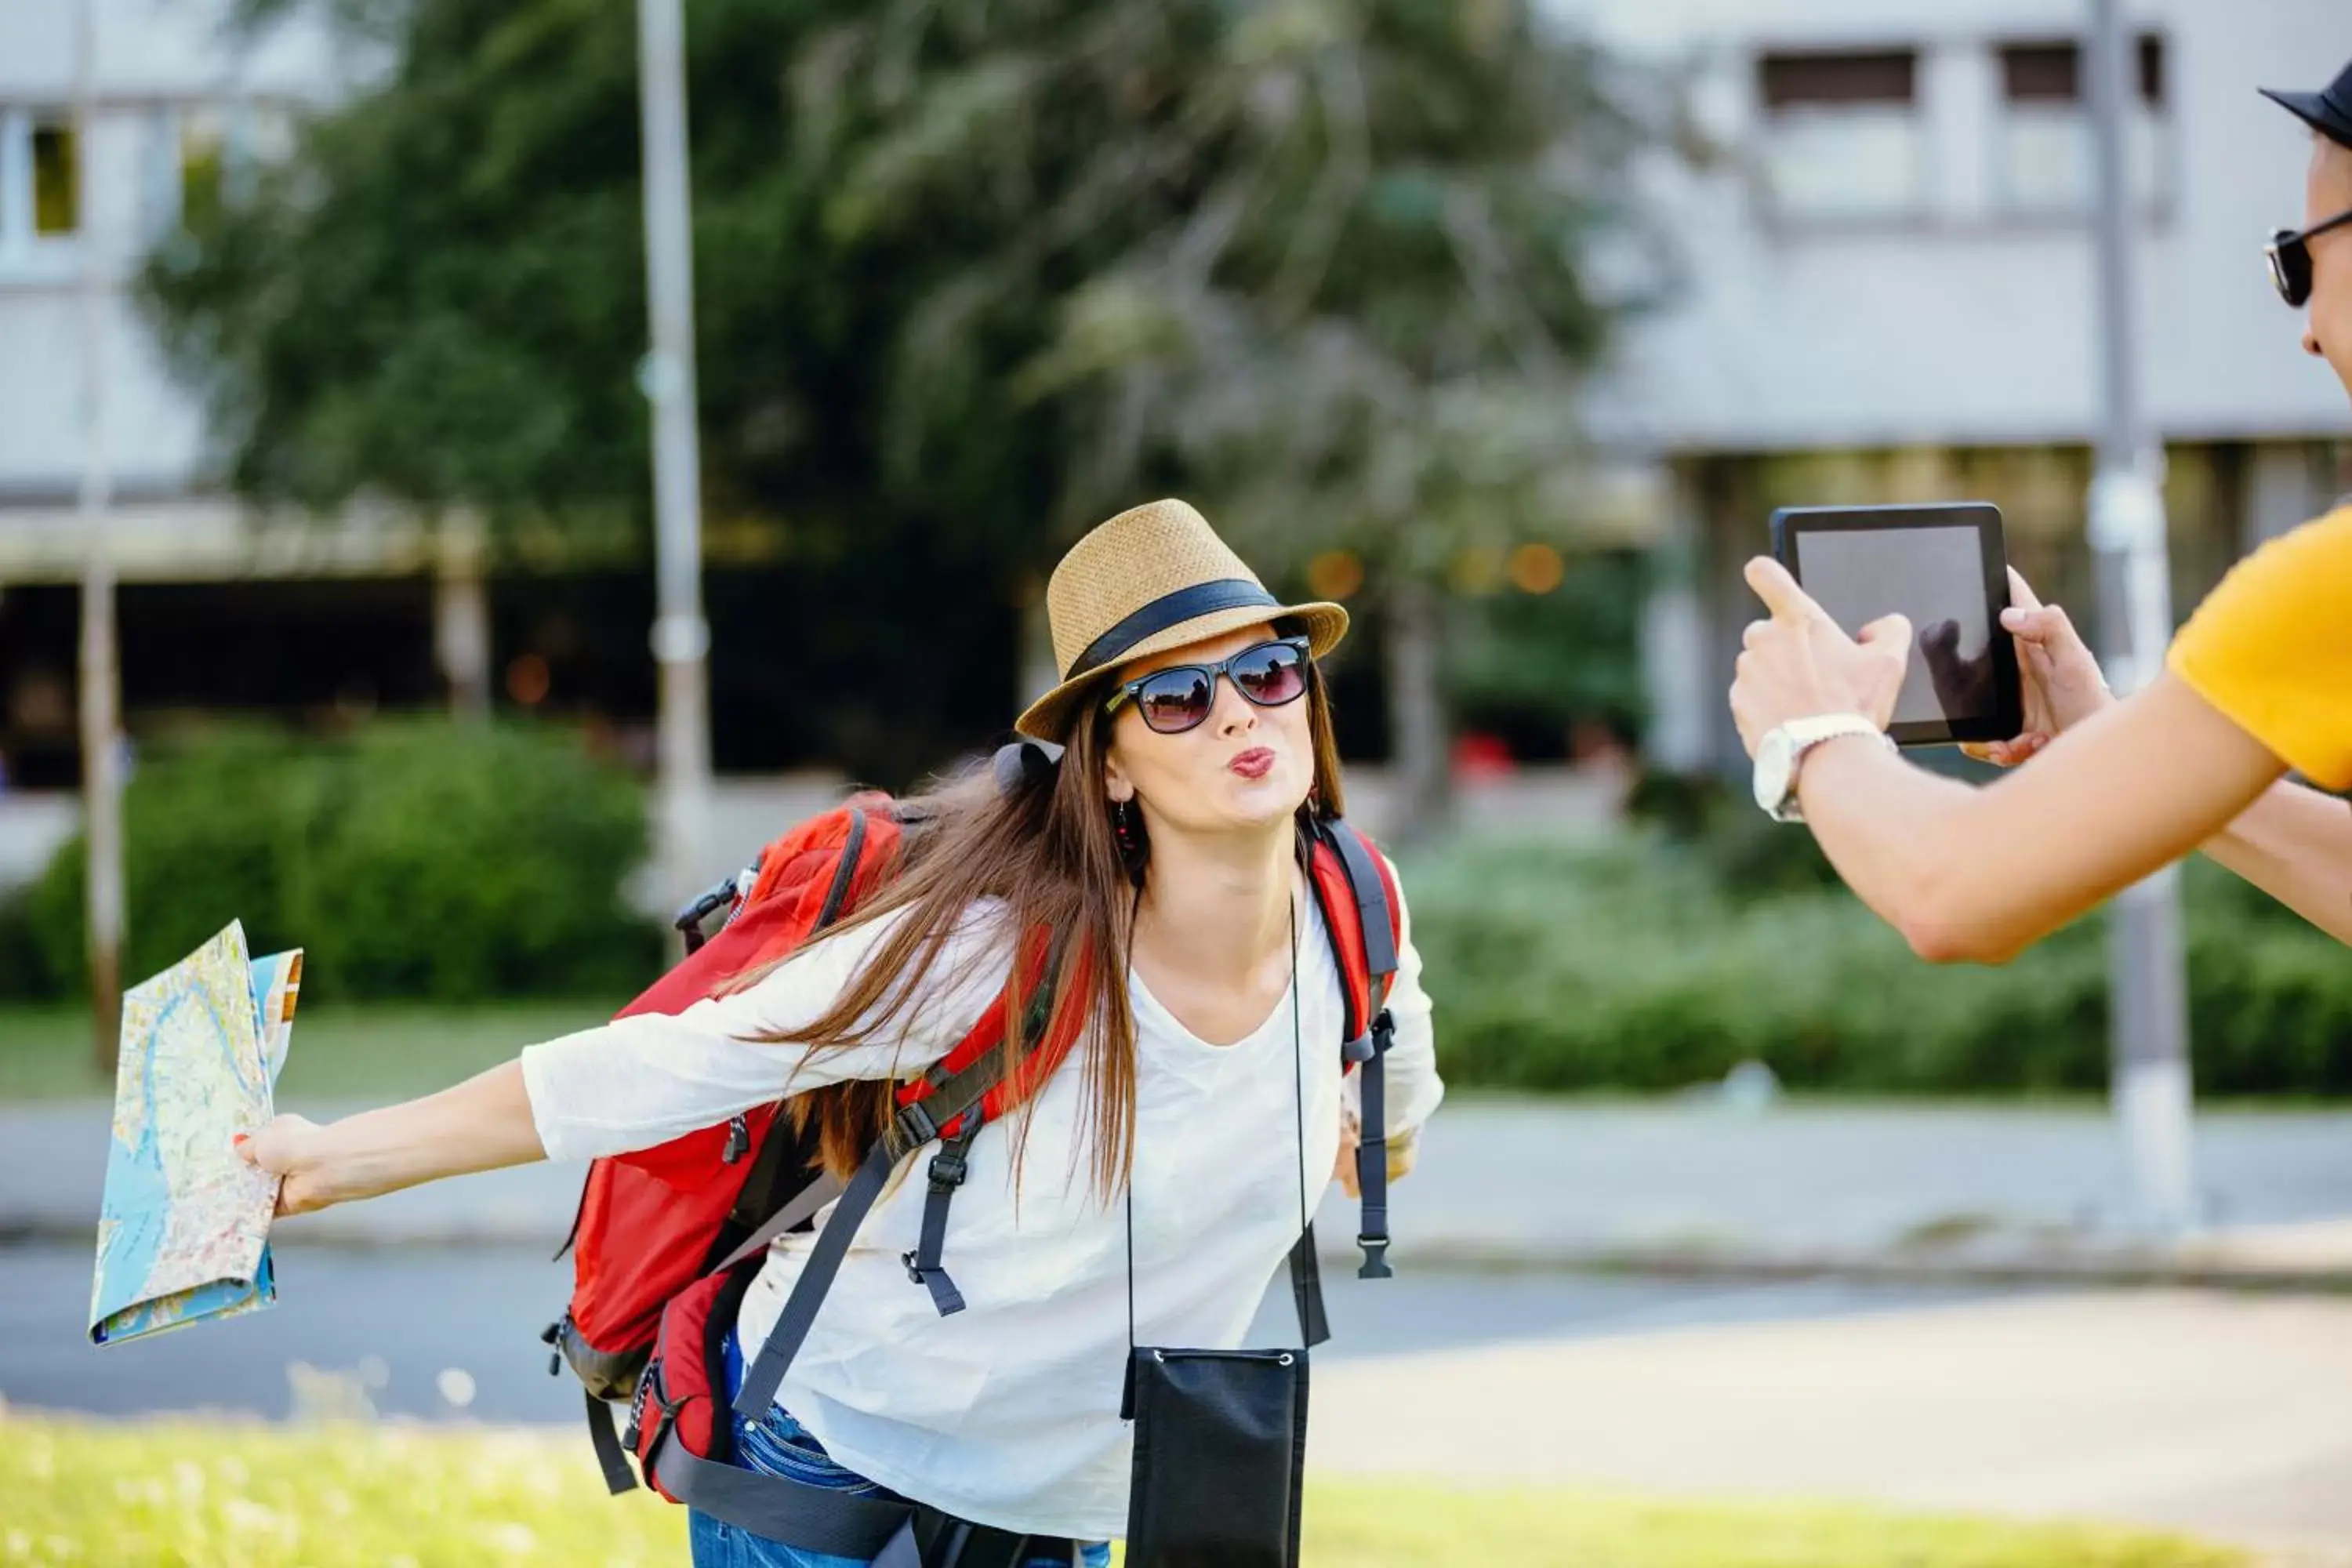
pixel 295 1149
pixel 2061 677
pixel 1800 665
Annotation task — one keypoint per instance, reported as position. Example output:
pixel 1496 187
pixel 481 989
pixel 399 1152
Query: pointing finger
pixel 1772 583
pixel 2020 592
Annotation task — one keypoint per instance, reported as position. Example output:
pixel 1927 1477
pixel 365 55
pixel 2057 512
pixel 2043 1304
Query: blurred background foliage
pixel 455 863
pixel 432 860
pixel 970 275
pixel 1662 959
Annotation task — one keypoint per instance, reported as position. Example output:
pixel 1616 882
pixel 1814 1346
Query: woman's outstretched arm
pixel 638 1082
pixel 482 1124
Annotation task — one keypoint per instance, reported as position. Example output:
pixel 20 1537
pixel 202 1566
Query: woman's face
pixel 1244 767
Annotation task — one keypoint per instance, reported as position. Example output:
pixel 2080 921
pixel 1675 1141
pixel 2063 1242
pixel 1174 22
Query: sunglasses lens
pixel 2290 268
pixel 1175 700
pixel 1271 674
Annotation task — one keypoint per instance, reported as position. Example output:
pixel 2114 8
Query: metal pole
pixel 102 728
pixel 681 637
pixel 2146 988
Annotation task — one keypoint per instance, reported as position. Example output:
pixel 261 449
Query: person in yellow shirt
pixel 2257 683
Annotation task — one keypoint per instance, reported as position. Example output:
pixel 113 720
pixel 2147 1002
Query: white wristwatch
pixel 1782 749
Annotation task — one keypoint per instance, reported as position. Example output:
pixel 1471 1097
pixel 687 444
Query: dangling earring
pixel 1127 826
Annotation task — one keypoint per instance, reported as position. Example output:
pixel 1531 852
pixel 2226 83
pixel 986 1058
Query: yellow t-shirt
pixel 2272 648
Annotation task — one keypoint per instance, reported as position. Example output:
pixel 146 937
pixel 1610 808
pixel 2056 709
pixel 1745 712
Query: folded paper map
pixel 184 1231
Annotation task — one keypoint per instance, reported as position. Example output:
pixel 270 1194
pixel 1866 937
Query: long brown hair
pixel 1050 853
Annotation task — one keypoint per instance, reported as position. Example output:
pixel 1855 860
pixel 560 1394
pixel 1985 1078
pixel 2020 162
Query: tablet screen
pixel 1934 575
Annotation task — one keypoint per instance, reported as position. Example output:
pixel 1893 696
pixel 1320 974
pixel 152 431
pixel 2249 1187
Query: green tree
pixel 971 274
pixel 1366 330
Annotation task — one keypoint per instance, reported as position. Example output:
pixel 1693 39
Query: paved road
pixel 1547 1181
pixel 391 1320
pixel 2224 1413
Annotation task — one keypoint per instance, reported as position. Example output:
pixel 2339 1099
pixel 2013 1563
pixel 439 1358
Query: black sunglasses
pixel 2290 258
pixel 1180 698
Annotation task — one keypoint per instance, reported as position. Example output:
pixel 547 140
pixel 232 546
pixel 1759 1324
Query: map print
pixel 184 1231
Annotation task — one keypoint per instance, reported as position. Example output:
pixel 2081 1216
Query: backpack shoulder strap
pixel 947 1105
pixel 1361 909
pixel 1365 916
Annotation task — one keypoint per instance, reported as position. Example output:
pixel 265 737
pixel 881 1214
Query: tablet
pixel 1945 567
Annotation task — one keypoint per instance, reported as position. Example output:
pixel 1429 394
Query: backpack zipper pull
pixel 739 1139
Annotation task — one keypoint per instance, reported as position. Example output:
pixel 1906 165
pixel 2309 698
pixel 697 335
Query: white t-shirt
pixel 1007 1413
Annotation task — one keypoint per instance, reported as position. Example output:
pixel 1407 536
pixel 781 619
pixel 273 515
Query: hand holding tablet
pixel 1945 569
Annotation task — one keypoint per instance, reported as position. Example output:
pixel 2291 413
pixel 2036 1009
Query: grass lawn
pixel 371 1052
pixel 248 1495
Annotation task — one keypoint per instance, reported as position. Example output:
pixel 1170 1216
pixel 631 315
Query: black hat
pixel 2327 111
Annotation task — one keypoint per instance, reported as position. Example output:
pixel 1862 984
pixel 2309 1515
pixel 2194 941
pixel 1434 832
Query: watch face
pixel 1772 777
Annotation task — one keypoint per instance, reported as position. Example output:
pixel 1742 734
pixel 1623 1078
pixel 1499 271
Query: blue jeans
pixel 780 1446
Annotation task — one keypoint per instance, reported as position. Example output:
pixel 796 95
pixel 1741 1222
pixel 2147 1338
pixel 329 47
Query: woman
pixel 1169 837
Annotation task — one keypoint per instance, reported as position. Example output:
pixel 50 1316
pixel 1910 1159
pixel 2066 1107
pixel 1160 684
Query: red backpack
pixel 667 1238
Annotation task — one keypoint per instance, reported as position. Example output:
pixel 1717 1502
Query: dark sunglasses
pixel 1180 697
pixel 2290 258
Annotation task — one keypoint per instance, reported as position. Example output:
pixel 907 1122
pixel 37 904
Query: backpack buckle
pixel 914 1269
pixel 1376 1259
pixel 949 1169
pixel 1374 1042
pixel 914 1126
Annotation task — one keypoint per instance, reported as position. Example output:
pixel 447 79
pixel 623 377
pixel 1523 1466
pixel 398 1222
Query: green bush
pixel 1635 965
pixel 410 859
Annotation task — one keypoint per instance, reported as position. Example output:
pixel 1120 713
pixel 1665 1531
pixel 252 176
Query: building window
pixel 204 153
pixel 202 160
pixel 41 195
pixel 56 198
pixel 2043 164
pixel 1842 134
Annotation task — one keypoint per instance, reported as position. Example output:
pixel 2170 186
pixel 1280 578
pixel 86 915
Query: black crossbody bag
pixel 1219 1435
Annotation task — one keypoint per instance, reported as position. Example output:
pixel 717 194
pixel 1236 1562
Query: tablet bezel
pixel 2008 716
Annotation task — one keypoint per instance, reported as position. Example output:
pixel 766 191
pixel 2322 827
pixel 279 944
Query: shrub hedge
pixel 412 858
pixel 1643 964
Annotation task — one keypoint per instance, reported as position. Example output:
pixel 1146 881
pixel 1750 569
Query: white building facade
pixel 1888 287
pixel 181 108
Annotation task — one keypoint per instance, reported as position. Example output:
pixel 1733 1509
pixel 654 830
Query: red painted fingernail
pixel 241 1138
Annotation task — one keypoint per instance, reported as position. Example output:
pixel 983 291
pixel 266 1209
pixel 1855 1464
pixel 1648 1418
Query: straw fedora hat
pixel 1149 580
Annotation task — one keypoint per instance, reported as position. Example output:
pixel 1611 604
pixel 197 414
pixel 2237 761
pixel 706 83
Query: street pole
pixel 2149 1041
pixel 101 726
pixel 681 637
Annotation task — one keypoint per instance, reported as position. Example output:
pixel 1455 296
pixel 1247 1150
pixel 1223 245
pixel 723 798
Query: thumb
pixel 2045 625
pixel 243 1145
pixel 1890 632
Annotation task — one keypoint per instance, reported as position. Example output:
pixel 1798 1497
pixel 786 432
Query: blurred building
pixel 216 611
pixel 223 609
pixel 1883 291
pixel 1887 288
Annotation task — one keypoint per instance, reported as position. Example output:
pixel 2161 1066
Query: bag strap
pixel 611 1458
pixel 812 1518
pixel 1306 1289
pixel 949 1167
pixel 917 1122
pixel 1374 923
pixel 888 1532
